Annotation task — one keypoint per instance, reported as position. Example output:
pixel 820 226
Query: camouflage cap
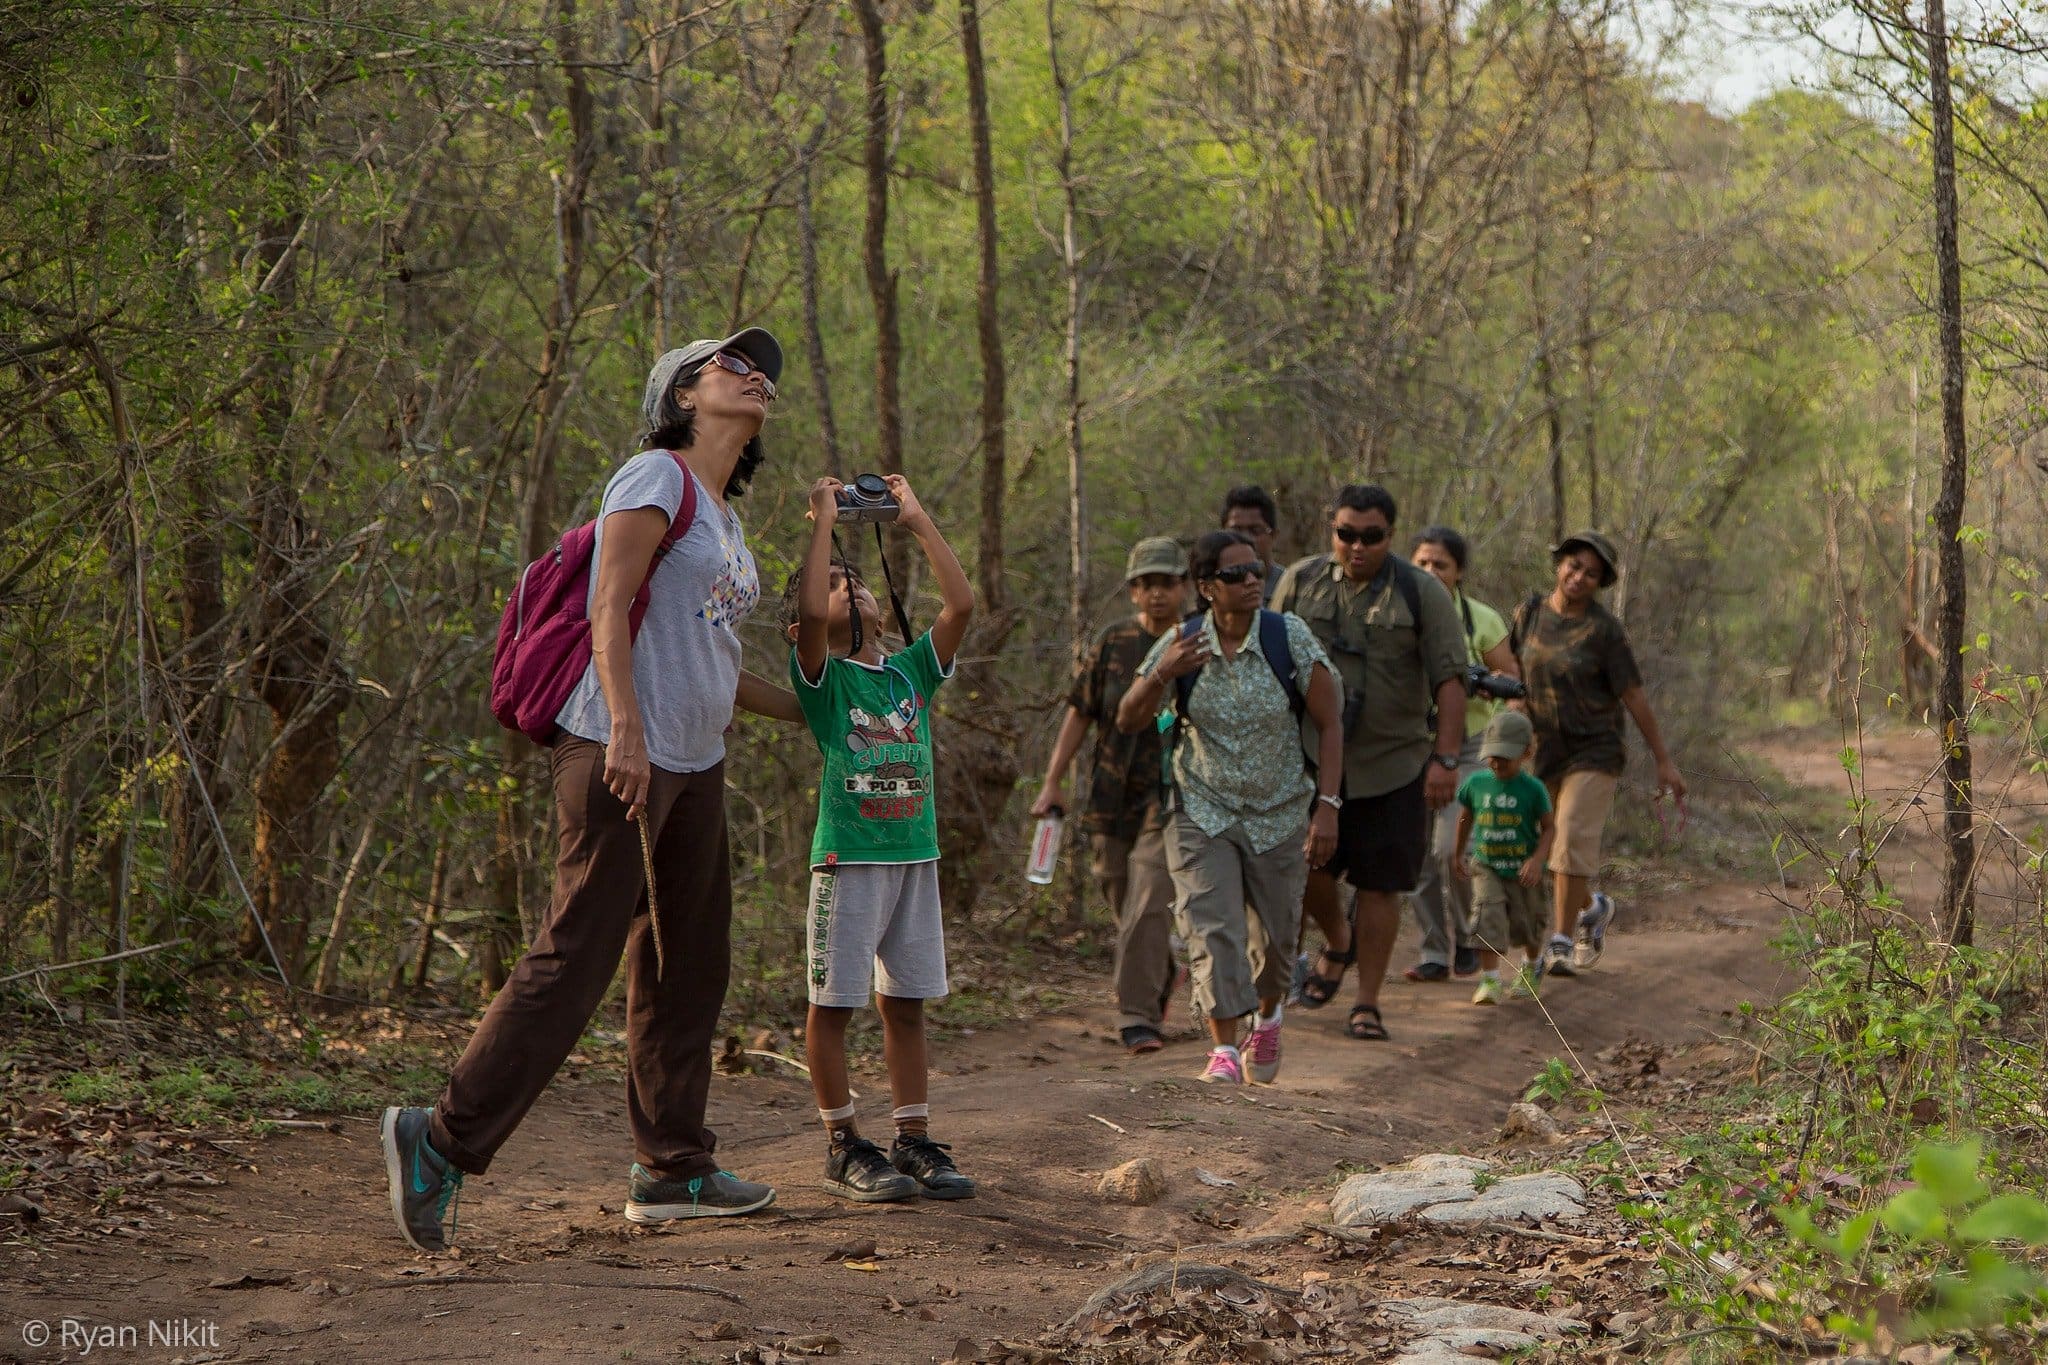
pixel 1156 554
pixel 1507 735
pixel 1598 544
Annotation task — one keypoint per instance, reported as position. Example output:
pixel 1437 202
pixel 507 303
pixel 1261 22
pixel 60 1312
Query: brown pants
pixel 599 909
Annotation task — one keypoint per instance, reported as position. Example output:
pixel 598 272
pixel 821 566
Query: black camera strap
pixel 895 601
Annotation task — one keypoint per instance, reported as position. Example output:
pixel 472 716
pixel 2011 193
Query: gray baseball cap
pixel 755 343
pixel 1508 735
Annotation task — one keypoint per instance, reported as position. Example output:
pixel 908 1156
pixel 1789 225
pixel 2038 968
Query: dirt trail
pixel 295 1258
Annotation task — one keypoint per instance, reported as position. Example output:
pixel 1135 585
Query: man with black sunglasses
pixel 1396 638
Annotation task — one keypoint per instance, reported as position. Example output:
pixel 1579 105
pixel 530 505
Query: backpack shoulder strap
pixel 1525 617
pixel 1280 658
pixel 1184 685
pixel 686 510
pixel 1411 589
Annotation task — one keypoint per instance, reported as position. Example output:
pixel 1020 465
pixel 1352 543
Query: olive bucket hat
pixel 755 343
pixel 1610 563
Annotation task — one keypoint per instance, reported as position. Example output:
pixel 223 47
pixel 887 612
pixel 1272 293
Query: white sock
pixel 1259 1020
pixel 1226 1048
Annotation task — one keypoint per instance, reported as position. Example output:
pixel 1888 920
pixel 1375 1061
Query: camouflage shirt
pixel 1576 668
pixel 1123 780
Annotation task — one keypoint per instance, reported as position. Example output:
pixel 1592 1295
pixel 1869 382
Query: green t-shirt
pixel 873 724
pixel 1507 818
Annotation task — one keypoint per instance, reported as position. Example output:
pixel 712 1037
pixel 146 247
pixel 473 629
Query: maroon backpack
pixel 544 635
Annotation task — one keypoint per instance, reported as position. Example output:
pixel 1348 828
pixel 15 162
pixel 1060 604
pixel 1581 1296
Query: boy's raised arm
pixel 956 594
pixel 814 591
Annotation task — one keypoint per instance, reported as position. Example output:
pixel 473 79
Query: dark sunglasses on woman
pixel 741 366
pixel 1238 573
pixel 1370 535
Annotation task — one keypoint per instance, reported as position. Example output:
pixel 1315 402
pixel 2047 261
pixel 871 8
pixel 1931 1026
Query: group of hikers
pixel 1299 730
pixel 1355 724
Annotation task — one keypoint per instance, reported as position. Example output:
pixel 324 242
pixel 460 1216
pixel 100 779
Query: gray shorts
pixel 874 928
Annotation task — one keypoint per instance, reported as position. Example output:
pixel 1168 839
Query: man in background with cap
pixel 1123 820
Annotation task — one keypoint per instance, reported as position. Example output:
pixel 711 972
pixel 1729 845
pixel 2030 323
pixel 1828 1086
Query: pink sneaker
pixel 1262 1052
pixel 1224 1067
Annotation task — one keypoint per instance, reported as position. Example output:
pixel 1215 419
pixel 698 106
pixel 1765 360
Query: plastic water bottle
pixel 1045 847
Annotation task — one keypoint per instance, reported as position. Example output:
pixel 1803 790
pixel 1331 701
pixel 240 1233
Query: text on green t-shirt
pixel 1507 818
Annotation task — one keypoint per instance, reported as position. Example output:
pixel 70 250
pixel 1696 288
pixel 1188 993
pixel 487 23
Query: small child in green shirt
pixel 1504 832
pixel 873 925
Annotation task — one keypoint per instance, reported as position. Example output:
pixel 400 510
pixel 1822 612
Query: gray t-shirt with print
pixel 686 660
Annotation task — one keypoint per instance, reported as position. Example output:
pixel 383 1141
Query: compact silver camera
pixel 868 499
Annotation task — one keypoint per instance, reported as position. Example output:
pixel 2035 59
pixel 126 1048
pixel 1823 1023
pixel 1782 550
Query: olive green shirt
pixel 1381 651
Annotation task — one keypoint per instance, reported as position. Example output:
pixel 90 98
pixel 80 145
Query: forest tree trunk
pixel 1958 874
pixel 875 258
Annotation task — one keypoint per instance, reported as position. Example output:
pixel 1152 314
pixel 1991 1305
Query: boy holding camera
pixel 1504 832
pixel 873 924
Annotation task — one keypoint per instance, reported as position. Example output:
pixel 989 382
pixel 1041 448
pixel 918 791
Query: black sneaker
pixel 718 1195
pixel 423 1185
pixel 1465 961
pixel 858 1171
pixel 930 1164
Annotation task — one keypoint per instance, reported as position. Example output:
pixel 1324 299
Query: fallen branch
pixel 93 961
pixel 674 1286
pixel 1544 1234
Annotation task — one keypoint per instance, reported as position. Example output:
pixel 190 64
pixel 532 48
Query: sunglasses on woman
pixel 741 366
pixel 1238 573
pixel 1370 535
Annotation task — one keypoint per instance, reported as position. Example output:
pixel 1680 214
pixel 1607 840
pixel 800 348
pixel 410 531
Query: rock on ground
pixel 1530 1123
pixel 1137 1182
pixel 1443 1189
pixel 1455 1328
pixel 1367 1199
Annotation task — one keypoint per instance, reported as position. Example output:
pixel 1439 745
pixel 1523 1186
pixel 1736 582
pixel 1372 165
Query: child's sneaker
pixel 1262 1052
pixel 1592 930
pixel 930 1164
pixel 858 1171
pixel 1490 992
pixel 1557 958
pixel 1224 1068
pixel 1528 981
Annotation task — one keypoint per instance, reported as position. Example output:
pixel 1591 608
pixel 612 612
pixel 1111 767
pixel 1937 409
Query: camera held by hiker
pixel 873 925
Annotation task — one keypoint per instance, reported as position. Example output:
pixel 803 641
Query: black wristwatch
pixel 1448 762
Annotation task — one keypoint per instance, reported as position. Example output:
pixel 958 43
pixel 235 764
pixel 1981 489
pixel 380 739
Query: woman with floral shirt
pixel 1241 837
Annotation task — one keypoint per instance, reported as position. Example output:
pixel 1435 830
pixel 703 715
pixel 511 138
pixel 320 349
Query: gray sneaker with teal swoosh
pixel 718 1195
pixel 424 1185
